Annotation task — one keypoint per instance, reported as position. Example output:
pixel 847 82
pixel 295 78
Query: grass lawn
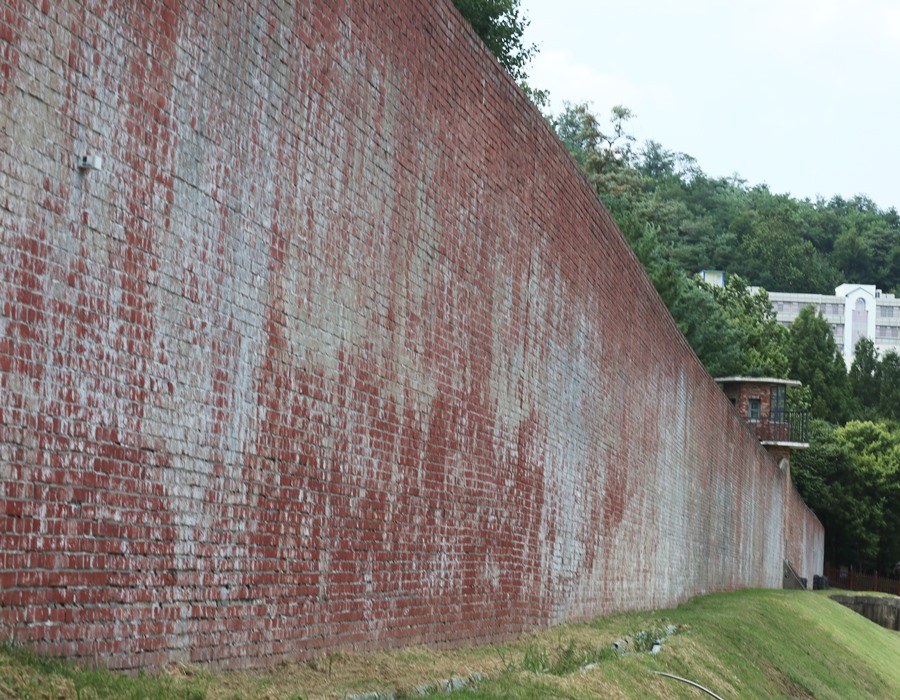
pixel 746 644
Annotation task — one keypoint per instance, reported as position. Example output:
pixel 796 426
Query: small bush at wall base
pixel 564 659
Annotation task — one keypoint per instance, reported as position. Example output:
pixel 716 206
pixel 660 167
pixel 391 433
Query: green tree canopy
pixel 763 341
pixel 703 322
pixel 815 360
pixel 850 477
pixel 887 377
pixel 853 255
pixel 826 477
pixel 771 240
pixel 876 451
pixel 776 255
pixel 501 25
pixel 864 380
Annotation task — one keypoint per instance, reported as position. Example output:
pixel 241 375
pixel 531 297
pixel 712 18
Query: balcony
pixel 762 402
pixel 783 427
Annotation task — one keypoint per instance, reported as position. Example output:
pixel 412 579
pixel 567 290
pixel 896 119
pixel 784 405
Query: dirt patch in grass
pixel 340 675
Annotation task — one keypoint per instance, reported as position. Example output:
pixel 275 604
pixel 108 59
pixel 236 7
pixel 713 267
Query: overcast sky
pixel 803 95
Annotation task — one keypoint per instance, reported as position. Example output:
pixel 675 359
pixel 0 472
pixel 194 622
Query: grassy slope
pixel 746 644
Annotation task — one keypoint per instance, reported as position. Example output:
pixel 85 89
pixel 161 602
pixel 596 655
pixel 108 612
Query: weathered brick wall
pixel 337 349
pixel 804 538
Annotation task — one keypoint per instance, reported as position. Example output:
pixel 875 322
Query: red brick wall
pixel 804 538
pixel 338 349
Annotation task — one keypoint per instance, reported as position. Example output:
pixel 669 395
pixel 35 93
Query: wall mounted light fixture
pixel 90 163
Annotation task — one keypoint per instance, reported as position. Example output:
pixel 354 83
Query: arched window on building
pixel 860 321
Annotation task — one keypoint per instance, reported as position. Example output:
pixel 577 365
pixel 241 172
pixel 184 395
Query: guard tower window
pixel 754 409
pixel 779 402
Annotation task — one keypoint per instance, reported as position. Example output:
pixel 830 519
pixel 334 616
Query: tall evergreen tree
pixel 763 340
pixel 815 361
pixel 827 478
pixel 888 378
pixel 864 380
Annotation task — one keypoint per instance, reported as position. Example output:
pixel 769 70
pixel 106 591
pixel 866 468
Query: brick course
pixel 337 350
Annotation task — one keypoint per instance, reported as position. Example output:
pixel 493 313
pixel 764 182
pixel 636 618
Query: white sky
pixel 803 95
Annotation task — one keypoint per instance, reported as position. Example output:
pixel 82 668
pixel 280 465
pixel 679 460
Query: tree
pixel 605 156
pixel 864 380
pixel 853 257
pixel 658 163
pixel 703 322
pixel 876 453
pixel 501 26
pixel 888 378
pixel 763 341
pixel 825 476
pixel 776 255
pixel 816 361
pixel 597 152
pixel 849 477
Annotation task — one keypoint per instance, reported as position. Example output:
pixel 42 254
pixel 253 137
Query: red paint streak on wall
pixel 11 27
pixel 338 350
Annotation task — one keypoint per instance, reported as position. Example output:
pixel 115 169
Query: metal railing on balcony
pixel 785 426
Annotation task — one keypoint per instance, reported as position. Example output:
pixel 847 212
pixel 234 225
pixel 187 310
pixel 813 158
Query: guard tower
pixel 762 402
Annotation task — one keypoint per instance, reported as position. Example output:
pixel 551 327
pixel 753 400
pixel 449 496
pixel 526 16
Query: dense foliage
pixel 701 222
pixel 850 477
pixel 816 361
pixel 679 221
pixel 501 26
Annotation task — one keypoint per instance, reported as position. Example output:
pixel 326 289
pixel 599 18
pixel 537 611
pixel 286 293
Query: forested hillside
pixel 701 222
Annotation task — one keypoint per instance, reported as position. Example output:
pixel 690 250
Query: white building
pixel 855 311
